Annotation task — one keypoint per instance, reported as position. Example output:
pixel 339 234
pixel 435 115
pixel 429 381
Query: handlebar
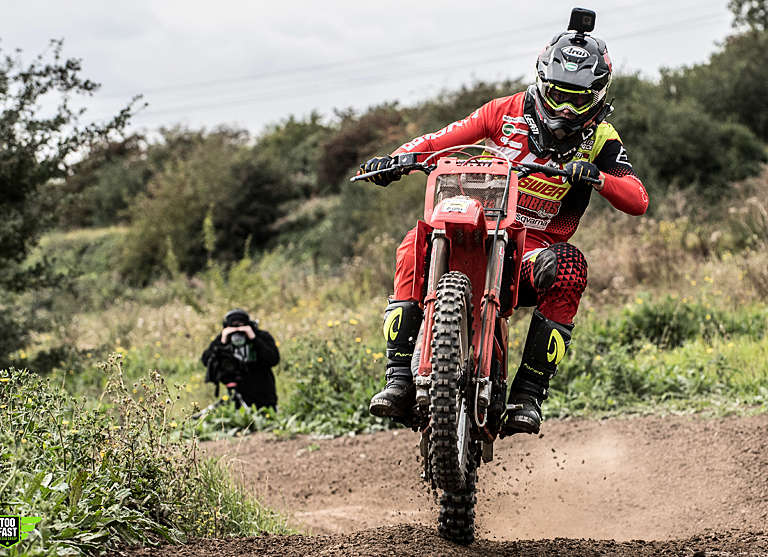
pixel 405 163
pixel 527 168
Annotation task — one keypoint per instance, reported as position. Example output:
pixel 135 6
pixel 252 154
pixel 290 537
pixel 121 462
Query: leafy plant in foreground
pixel 113 475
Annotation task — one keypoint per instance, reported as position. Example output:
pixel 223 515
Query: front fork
pixel 484 339
pixel 490 308
pixel 438 266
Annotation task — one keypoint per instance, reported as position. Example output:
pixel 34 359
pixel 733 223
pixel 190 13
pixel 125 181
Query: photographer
pixel 243 355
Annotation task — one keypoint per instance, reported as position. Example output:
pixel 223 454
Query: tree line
pixel 189 196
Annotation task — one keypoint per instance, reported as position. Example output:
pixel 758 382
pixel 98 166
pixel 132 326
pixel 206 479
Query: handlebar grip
pixel 553 171
pixel 544 169
pixel 402 164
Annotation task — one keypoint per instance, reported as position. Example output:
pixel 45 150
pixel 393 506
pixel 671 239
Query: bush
pixel 104 183
pixel 731 85
pixel 670 323
pixel 654 352
pixel 167 222
pixel 665 142
pixel 40 133
pixel 111 475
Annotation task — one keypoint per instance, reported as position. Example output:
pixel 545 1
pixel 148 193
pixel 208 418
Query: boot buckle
pixel 508 411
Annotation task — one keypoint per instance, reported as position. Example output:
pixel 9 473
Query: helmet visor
pixel 559 98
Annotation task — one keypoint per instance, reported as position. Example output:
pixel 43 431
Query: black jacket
pixel 256 383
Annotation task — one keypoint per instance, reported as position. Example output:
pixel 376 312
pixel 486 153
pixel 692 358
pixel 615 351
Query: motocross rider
pixel 561 120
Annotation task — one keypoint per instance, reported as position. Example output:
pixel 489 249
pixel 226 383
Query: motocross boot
pixel 402 320
pixel 545 346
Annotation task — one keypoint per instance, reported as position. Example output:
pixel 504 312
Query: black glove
pixel 580 173
pixel 380 163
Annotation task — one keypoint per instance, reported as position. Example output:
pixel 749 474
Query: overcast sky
pixel 252 63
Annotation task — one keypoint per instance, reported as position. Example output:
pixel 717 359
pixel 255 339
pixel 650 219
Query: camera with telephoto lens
pixel 227 367
pixel 238 339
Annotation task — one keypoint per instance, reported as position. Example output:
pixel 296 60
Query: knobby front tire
pixel 456 521
pixel 450 446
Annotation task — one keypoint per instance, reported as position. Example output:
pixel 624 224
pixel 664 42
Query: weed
pixel 111 475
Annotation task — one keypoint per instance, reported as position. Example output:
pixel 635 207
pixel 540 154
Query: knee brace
pixel 560 277
pixel 402 320
pixel 560 263
pixel 544 269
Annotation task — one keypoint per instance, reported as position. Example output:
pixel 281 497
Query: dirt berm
pixel 675 485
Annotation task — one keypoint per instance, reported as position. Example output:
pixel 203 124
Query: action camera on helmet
pixel 582 20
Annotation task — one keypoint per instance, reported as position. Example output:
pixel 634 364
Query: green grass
pixel 110 475
pixel 663 355
pixel 668 354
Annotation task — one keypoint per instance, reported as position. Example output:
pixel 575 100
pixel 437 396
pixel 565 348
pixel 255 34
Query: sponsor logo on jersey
pixel 542 208
pixel 581 156
pixel 509 129
pixel 513 119
pixel 531 222
pixel 588 144
pixel 574 52
pixel 512 143
pixel 543 189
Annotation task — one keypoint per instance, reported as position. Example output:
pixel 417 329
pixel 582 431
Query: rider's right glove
pixel 583 173
pixel 380 163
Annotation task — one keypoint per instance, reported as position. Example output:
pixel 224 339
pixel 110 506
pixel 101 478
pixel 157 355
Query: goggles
pixel 559 98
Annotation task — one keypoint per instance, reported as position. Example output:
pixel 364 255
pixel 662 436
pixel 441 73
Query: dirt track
pixel 683 484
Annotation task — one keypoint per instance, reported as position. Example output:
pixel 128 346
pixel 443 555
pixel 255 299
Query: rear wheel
pixel 450 446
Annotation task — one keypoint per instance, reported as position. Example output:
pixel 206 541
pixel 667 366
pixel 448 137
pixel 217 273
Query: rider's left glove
pixel 583 173
pixel 381 163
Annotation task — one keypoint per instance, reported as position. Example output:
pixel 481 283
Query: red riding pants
pixel 559 302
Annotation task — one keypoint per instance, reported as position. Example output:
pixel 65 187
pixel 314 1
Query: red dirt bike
pixel 460 361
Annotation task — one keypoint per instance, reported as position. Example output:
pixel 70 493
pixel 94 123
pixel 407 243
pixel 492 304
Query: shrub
pixel 705 163
pixel 653 352
pixel 167 221
pixel 111 475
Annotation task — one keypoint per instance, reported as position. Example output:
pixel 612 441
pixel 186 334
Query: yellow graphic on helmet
pixel 392 324
pixel 556 347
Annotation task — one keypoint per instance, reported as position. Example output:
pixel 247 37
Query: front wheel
pixel 456 521
pixel 450 446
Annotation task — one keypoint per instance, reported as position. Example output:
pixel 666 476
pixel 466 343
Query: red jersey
pixel 549 207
